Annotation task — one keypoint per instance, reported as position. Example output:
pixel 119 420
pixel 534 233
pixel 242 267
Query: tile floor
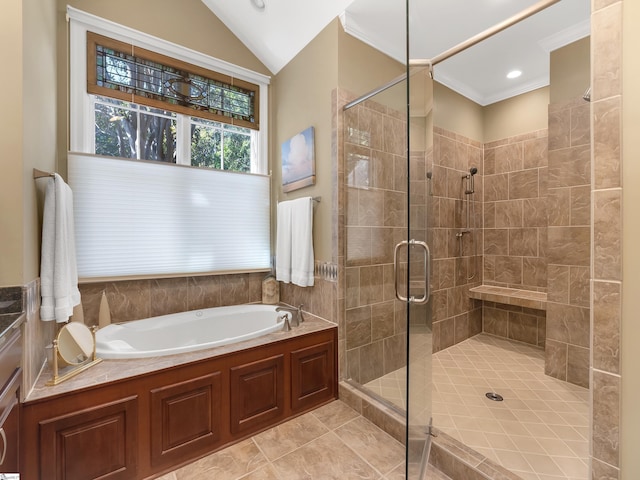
pixel 331 442
pixel 540 431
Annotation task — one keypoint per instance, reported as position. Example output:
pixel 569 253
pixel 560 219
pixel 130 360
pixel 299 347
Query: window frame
pixel 143 97
pixel 81 131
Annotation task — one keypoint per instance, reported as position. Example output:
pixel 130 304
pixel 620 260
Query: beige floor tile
pixel 543 464
pixel 529 475
pixel 527 444
pixel 265 473
pixel 555 446
pixel 326 458
pixel 378 448
pixel 512 460
pixel 572 466
pixel 474 439
pixel 536 407
pixel 168 476
pixel 280 440
pixel 500 441
pixel 228 464
pixel 335 414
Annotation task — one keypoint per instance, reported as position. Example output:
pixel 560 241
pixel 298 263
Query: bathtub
pixel 186 331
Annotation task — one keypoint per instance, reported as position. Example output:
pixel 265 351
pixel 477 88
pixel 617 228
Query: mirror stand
pixel 74 369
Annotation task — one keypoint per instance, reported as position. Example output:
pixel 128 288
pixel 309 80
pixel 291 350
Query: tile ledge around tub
pixel 109 371
pixel 510 296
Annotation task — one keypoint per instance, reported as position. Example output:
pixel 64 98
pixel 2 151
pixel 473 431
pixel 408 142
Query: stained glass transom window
pixel 127 72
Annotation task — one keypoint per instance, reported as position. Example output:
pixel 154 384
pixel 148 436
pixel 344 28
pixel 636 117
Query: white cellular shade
pixel 136 218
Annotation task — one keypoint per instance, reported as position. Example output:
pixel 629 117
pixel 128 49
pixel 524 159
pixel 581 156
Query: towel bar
pixel 41 174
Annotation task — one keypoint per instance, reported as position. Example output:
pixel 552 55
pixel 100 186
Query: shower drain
pixel 494 396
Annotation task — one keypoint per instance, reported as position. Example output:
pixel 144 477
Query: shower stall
pixel 412 208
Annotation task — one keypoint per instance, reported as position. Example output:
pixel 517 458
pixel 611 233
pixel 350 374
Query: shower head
pixel 587 95
pixel 470 185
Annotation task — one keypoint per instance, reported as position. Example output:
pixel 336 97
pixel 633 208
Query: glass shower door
pixel 419 269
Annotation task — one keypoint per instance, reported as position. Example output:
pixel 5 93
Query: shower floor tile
pixel 539 432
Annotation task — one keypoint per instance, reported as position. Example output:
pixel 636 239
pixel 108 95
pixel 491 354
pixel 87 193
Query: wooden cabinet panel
pixel 146 425
pixel 185 419
pixel 97 442
pixel 257 394
pixel 9 433
pixel 10 410
pixel 312 375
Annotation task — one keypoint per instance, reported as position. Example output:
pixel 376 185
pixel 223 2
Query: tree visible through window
pixel 131 131
pixel 220 146
pixel 127 130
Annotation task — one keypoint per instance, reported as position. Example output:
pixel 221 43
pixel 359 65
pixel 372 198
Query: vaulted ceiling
pixel 279 31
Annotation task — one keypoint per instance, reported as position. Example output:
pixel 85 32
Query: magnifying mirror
pixel 73 351
pixel 75 344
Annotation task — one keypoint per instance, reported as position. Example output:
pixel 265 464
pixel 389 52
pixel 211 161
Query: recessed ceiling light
pixel 514 74
pixel 259 4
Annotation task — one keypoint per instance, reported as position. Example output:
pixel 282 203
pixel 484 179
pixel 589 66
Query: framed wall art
pixel 298 161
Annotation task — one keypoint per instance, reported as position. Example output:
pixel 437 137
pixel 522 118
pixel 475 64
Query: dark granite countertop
pixel 11 309
pixel 9 321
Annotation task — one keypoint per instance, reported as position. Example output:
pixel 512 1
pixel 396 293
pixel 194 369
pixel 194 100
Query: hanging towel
pixel 58 270
pixel 294 242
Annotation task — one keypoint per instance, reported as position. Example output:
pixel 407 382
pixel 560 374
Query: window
pixel 143 113
pixel 127 130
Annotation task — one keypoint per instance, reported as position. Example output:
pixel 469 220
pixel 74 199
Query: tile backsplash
pixel 137 299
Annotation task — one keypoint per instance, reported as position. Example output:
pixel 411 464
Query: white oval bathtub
pixel 186 331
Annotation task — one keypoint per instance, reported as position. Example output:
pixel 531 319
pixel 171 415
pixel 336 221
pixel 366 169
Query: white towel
pixel 294 242
pixel 58 270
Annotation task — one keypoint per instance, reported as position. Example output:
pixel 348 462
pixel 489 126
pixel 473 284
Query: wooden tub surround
pixel 134 419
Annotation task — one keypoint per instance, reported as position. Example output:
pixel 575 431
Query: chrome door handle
pixel 427 272
pixel 395 271
pixel 4 445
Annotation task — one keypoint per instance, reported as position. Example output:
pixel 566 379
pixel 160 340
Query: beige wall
pixel 302 98
pixel 362 69
pixel 302 93
pixel 39 103
pixel 28 133
pixel 188 22
pixel 11 184
pixel 517 115
pixel 447 108
pixel 630 419
pixel 570 71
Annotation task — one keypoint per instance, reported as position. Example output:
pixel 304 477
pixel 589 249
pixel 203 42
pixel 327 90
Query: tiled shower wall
pixel 375 199
pixel 515 231
pixel 569 244
pixel 457 261
pixel 606 258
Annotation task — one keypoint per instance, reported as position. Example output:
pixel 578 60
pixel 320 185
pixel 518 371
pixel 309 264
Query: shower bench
pixel 510 296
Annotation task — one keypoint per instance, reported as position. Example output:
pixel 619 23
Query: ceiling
pixel 283 28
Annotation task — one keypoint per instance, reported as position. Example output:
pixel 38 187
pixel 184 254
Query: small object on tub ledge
pixel 270 290
pixel 78 314
pixel 104 316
